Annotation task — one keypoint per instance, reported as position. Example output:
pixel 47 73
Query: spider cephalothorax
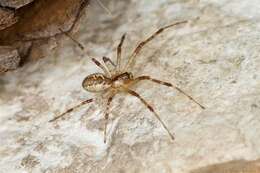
pixel 116 79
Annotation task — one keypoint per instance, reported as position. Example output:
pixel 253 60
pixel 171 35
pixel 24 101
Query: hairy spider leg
pixel 109 64
pixel 104 7
pixel 74 40
pixel 119 49
pixel 107 115
pixel 141 45
pixel 72 109
pixel 133 93
pixel 168 85
pixel 104 68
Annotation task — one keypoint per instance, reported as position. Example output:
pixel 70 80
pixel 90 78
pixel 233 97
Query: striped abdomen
pixel 96 82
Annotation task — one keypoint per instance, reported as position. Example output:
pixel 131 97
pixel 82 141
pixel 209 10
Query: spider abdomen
pixel 96 82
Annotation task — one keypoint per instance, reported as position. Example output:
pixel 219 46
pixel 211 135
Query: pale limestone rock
pixel 215 58
pixel 233 166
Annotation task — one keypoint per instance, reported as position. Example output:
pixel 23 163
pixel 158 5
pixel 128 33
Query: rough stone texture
pixel 7 18
pixel 234 166
pixel 14 3
pixel 215 58
pixel 38 22
pixel 42 19
pixel 9 58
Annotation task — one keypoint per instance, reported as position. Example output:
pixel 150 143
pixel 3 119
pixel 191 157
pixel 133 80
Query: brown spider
pixel 117 79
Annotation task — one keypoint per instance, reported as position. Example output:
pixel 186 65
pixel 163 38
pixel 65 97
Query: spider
pixel 116 79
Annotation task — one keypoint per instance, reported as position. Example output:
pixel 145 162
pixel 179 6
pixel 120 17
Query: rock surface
pixel 7 18
pixel 14 3
pixel 42 19
pixel 9 58
pixel 215 58
pixel 233 166
pixel 29 29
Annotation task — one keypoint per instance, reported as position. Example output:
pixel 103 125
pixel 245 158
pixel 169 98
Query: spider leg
pixel 104 7
pixel 106 60
pixel 72 109
pixel 107 115
pixel 133 93
pixel 119 47
pixel 109 64
pixel 74 40
pixel 141 45
pixel 169 85
pixel 104 68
